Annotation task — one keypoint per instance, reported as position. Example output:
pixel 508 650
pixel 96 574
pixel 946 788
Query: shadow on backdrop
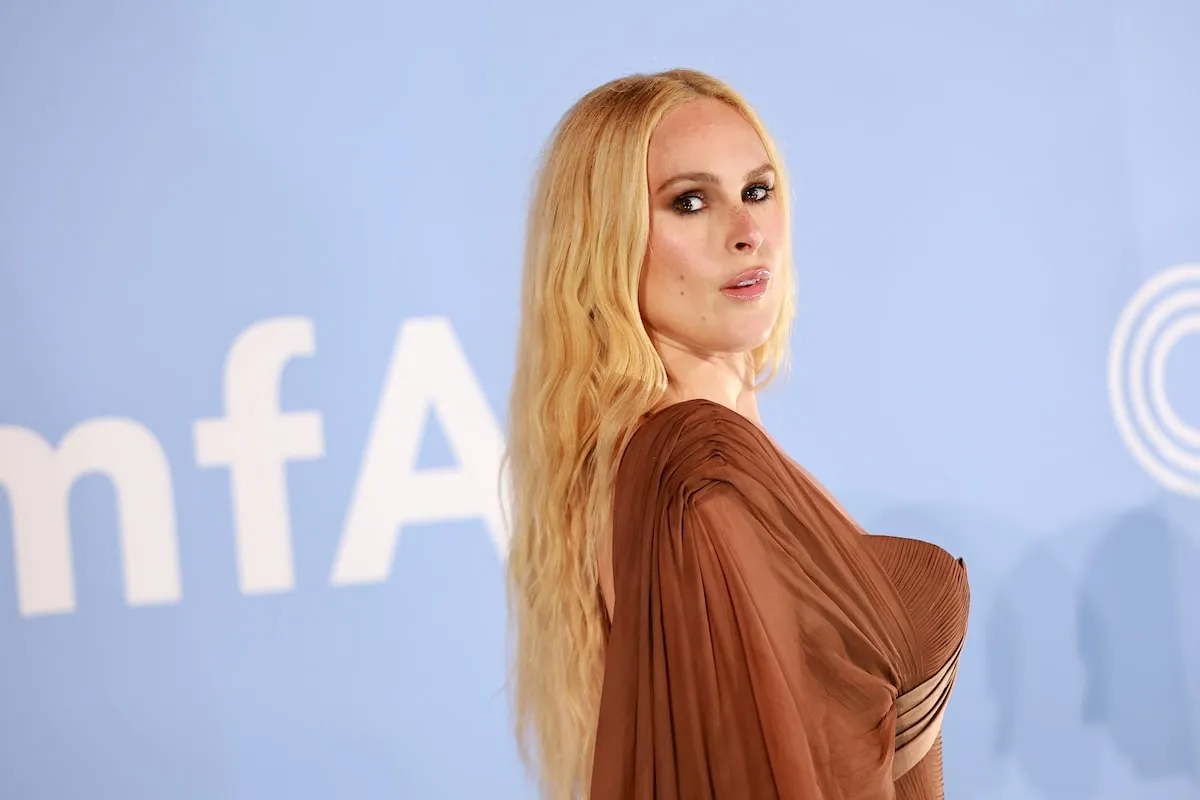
pixel 1132 629
pixel 1077 657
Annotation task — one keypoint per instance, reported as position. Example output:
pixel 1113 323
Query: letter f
pixel 254 440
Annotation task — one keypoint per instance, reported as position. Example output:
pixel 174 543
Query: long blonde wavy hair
pixel 586 373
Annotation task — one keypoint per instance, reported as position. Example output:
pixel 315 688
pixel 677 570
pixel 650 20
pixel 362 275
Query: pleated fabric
pixel 760 640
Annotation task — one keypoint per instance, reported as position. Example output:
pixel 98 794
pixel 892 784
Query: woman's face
pixel 711 282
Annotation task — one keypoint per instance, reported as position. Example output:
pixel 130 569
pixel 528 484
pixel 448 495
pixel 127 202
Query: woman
pixel 695 617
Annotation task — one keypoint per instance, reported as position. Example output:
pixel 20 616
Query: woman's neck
pixel 723 379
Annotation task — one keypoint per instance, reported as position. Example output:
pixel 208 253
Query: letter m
pixel 39 479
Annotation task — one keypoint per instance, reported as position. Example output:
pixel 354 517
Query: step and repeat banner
pixel 258 301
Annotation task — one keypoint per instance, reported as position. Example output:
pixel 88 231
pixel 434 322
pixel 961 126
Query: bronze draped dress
pixel 763 646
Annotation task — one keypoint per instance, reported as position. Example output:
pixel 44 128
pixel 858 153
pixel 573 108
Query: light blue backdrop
pixel 204 596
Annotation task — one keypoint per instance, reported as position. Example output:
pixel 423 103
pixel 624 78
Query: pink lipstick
pixel 748 285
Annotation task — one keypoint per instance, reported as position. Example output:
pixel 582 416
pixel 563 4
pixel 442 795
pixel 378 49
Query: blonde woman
pixel 694 616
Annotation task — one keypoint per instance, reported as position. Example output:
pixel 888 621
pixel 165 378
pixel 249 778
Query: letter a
pixel 428 371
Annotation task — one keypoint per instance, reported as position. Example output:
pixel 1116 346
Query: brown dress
pixel 763 646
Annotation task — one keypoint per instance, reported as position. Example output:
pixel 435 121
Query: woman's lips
pixel 747 285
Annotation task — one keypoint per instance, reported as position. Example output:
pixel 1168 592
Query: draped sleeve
pixel 751 654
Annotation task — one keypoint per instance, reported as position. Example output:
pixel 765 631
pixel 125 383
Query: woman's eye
pixel 689 204
pixel 693 202
pixel 757 194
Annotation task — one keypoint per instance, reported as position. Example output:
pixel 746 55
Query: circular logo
pixel 1164 310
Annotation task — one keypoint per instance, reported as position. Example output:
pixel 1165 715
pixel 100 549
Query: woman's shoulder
pixel 691 443
pixel 675 430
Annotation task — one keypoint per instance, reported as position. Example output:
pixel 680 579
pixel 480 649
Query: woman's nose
pixel 745 236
